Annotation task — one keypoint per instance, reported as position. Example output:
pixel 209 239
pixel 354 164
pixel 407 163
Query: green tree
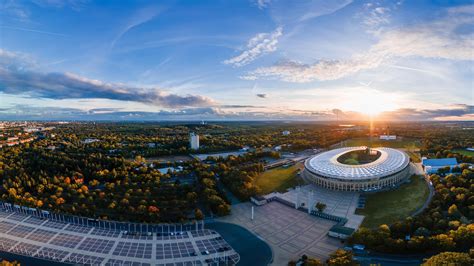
pixel 198 214
pixel 320 206
pixel 341 258
pixel 449 258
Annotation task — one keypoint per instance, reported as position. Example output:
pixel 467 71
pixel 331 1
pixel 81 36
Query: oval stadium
pixel 357 169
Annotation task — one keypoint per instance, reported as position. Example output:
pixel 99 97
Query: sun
pixel 371 102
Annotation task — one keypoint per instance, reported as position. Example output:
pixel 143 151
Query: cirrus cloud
pixel 435 40
pixel 260 44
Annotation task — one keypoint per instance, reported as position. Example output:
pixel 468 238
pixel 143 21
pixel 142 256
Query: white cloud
pixel 18 76
pixel 292 71
pixel 14 9
pixel 435 40
pixel 262 4
pixel 140 17
pixel 377 16
pixel 262 43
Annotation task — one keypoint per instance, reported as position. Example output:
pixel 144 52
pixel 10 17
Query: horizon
pixel 242 61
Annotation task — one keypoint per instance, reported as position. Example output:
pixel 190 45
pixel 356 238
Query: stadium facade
pixel 388 170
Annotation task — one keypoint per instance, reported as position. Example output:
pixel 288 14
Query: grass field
pixel 465 152
pixel 404 143
pixel 388 207
pixel 415 157
pixel 279 179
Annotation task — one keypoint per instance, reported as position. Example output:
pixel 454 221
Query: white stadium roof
pixel 325 164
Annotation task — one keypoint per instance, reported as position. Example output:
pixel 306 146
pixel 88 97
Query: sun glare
pixel 371 102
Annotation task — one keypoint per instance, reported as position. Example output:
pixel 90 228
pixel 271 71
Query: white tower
pixel 194 141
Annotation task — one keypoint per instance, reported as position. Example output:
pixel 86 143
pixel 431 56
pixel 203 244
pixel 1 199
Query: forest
pixel 116 176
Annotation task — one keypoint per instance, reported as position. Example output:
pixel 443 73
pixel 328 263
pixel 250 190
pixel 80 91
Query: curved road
pixel 418 170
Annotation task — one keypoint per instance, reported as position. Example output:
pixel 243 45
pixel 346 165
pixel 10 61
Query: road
pixel 387 260
pixel 418 170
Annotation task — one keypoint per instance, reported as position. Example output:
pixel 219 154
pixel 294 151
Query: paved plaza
pixel 338 203
pixel 54 240
pixel 290 232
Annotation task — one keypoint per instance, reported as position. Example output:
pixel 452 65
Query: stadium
pixel 357 169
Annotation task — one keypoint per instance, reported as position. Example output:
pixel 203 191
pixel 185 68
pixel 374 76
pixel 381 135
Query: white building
pixel 194 141
pixel 286 133
pixel 89 141
pixel 388 137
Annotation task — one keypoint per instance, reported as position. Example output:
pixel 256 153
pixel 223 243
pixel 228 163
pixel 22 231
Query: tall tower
pixel 194 141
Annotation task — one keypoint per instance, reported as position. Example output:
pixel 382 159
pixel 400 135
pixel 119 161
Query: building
pixel 431 166
pixel 167 170
pixel 388 137
pixel 194 141
pixel 11 139
pixel 340 232
pixel 258 200
pixel 286 133
pixel 89 141
pixel 389 169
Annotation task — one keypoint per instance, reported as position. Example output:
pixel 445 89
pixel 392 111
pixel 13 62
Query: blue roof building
pixel 431 166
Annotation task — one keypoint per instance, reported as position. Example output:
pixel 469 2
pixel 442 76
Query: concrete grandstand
pixel 78 240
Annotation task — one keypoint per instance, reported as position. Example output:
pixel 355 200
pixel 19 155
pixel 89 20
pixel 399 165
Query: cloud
pixel 321 8
pixel 27 112
pixel 73 4
pixel 14 9
pixel 292 71
pixel 34 30
pixel 436 40
pixel 140 17
pixel 376 16
pixel 291 12
pixel 262 95
pixel 262 43
pixel 262 4
pixel 19 11
pixel 231 112
pixel 455 112
pixel 17 78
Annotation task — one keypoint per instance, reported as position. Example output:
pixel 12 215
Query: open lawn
pixel 390 206
pixel 464 152
pixel 414 156
pixel 403 143
pixel 279 179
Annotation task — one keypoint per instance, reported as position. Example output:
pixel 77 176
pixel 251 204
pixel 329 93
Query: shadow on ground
pixel 252 249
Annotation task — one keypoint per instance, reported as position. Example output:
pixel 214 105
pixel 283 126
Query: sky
pixel 236 60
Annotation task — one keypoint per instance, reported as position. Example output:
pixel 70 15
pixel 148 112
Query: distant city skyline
pixel 236 60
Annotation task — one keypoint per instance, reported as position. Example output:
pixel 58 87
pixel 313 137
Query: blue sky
pixel 257 60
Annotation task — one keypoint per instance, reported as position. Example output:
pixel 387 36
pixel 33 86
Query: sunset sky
pixel 236 60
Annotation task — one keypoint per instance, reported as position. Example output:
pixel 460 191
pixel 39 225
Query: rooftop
pixel 440 162
pixel 342 230
pixel 325 164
